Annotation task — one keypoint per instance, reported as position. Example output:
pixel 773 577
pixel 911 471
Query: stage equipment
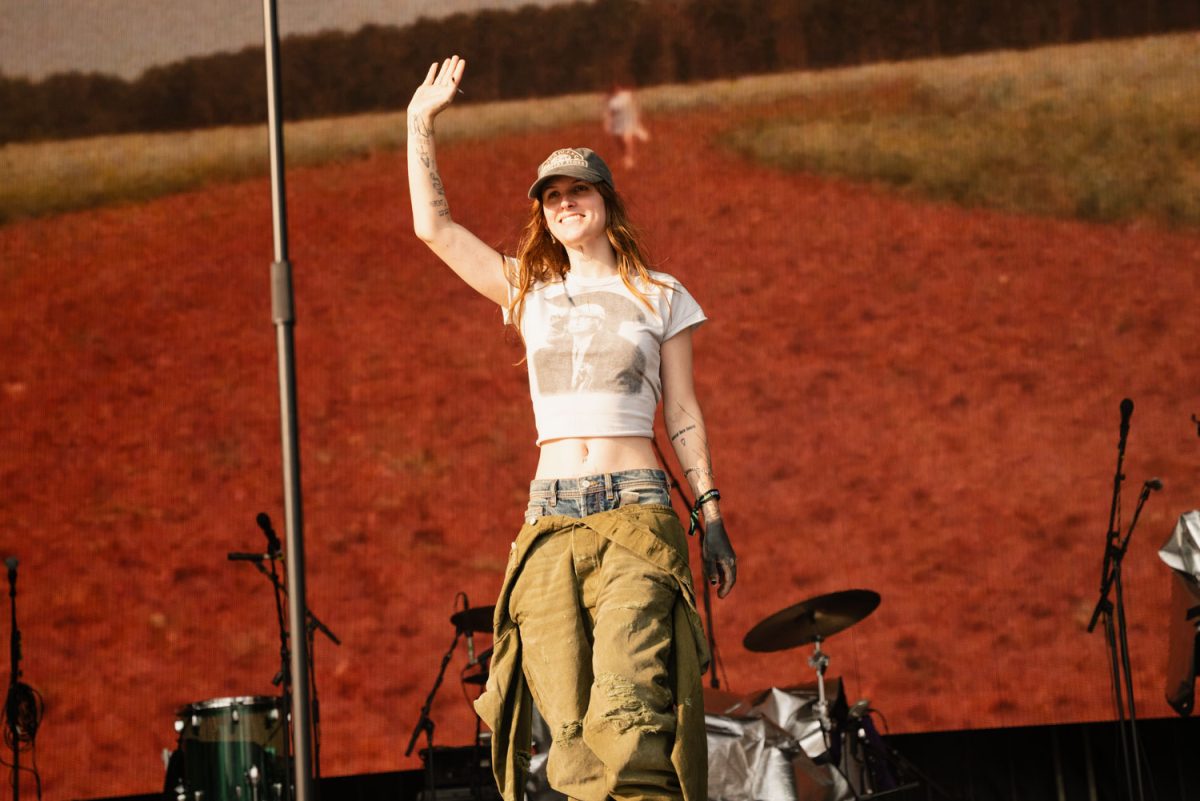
pixel 23 707
pixel 233 749
pixel 1181 552
pixel 466 622
pixel 283 315
pixel 1116 634
pixel 812 621
pixel 283 678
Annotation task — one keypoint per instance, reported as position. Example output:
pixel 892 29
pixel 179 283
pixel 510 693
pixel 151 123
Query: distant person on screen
pixel 596 618
pixel 623 121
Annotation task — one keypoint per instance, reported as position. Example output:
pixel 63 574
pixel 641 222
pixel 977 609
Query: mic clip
pixel 240 556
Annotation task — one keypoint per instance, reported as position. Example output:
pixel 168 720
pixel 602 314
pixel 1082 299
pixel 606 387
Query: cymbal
pixel 478 618
pixel 808 621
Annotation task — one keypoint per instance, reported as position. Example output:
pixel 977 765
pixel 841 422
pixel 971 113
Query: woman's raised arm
pixel 481 266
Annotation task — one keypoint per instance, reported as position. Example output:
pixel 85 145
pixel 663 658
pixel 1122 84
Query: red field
pixel 910 398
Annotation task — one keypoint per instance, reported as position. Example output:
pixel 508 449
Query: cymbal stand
pixel 819 661
pixel 425 723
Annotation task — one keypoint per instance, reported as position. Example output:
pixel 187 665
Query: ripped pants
pixel 596 632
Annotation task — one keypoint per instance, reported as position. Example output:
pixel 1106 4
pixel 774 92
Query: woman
pixel 596 620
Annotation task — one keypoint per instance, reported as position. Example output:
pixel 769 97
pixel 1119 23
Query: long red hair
pixel 541 258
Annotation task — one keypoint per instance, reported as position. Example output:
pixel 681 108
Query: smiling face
pixel 574 210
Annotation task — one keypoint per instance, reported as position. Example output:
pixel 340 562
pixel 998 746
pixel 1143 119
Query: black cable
pixel 23 712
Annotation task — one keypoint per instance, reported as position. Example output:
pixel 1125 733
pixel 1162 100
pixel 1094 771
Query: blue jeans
pixel 588 495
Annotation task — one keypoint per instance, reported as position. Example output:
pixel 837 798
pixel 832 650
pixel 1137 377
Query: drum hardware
pixel 477 619
pixel 812 621
pixel 231 749
pixel 282 679
pixel 480 677
pixel 466 621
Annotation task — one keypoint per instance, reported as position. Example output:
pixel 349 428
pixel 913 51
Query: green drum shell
pixel 223 739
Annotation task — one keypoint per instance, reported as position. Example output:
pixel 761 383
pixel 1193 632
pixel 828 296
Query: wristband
pixel 711 495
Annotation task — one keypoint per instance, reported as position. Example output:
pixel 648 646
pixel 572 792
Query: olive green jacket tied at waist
pixel 654 533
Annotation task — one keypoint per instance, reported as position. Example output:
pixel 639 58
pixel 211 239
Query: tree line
pixel 538 51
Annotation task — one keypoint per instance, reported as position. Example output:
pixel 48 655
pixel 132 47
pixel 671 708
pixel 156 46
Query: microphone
pixel 12 569
pixel 1154 484
pixel 264 522
pixel 1126 413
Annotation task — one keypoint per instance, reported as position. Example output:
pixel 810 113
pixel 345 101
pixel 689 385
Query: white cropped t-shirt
pixel 593 349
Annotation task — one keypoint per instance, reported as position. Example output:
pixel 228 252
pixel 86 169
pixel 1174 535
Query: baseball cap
pixel 574 162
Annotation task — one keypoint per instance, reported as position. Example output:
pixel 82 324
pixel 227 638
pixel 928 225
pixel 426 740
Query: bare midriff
pixel 585 456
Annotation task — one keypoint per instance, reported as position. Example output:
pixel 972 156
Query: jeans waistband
pixel 608 484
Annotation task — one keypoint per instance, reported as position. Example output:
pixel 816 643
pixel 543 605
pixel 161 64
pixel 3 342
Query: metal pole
pixel 282 314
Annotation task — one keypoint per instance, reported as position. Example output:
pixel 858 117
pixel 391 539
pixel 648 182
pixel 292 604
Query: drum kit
pixel 813 621
pixel 236 749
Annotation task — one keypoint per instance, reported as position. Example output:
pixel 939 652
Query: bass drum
pixel 233 749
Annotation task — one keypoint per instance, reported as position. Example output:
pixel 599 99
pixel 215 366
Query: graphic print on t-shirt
pixel 585 351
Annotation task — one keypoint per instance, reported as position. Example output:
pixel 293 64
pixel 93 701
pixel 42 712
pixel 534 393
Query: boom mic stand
pixel 283 679
pixel 1116 636
pixel 425 722
pixel 713 681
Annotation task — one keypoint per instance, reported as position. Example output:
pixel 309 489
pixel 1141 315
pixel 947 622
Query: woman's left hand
pixel 720 563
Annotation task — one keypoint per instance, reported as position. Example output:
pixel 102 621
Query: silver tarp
pixel 1181 552
pixel 760 748
pixel 764 749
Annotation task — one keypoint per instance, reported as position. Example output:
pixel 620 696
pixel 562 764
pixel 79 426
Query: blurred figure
pixel 623 121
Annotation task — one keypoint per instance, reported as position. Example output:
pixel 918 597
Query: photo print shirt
pixel 593 350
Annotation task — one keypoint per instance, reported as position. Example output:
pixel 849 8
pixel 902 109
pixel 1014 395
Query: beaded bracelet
pixel 711 495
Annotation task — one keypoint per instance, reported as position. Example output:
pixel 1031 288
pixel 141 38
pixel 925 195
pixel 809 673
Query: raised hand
pixel 438 90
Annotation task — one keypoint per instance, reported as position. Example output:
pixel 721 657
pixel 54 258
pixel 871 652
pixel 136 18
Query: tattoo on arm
pixel 681 432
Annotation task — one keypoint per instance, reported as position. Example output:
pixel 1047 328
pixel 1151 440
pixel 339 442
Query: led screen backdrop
pixel 910 397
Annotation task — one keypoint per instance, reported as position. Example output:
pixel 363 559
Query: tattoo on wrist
pixel 418 126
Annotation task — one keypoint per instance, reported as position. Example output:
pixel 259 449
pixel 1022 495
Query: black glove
pixel 720 563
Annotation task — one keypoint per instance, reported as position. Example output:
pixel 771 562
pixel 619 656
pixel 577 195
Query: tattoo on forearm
pixel 692 473
pixel 681 432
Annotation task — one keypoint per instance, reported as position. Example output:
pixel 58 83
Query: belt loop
pixel 608 487
pixel 554 492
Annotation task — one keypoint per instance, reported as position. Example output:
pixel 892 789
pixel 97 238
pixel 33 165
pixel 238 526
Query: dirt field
pixel 914 399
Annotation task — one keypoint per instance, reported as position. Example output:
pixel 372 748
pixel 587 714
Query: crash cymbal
pixel 808 621
pixel 476 619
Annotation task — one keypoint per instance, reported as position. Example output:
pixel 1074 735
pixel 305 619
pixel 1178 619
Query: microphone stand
pixel 12 702
pixel 283 316
pixel 313 624
pixel 425 722
pixel 713 680
pixel 1116 637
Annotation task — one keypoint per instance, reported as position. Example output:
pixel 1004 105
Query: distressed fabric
pixel 597 618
